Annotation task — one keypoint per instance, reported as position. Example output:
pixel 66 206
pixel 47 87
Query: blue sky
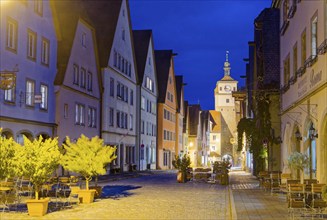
pixel 200 32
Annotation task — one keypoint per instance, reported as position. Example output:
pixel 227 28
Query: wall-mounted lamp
pixel 278 140
pixel 298 135
pixel 312 132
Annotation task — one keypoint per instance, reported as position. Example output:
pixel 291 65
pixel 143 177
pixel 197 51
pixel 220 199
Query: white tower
pixel 225 104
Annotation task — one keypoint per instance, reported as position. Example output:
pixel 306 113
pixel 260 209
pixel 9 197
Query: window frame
pixel 31 46
pixel 45 51
pixel 44 105
pixel 28 96
pixel 12 35
pixel 314 35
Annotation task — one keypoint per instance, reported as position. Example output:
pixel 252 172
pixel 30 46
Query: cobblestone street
pixel 156 196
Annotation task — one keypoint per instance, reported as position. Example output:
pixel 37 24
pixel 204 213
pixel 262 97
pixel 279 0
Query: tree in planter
pixel 87 157
pixel 182 164
pixel 37 160
pixel 298 161
pixel 8 149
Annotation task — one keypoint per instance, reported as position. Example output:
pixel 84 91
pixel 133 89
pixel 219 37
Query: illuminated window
pixel 131 122
pixel 29 96
pixel 45 51
pixel 10 95
pixel 79 114
pixel 314 24
pixel 11 35
pixel 44 97
pixel 91 115
pixel 31 44
pixel 143 103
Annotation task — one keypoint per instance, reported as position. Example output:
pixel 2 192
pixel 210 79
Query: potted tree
pixel 8 150
pixel 87 157
pixel 37 160
pixel 298 161
pixel 182 164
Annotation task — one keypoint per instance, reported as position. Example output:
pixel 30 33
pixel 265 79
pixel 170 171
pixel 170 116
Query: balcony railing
pixel 322 48
pixel 310 61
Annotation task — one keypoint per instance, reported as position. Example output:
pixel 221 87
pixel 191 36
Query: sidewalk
pixel 251 202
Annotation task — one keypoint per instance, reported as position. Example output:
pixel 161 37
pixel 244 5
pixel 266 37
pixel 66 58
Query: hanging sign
pixel 7 80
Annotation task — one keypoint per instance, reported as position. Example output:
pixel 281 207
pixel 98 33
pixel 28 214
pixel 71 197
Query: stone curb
pixel 233 213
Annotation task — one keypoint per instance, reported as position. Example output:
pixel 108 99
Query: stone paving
pixel 156 196
pixel 252 202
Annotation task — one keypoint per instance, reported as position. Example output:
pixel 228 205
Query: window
pixel 314 25
pixel 149 61
pixel 38 7
pixel 169 79
pixel 9 95
pixel 65 110
pixel 142 127
pixel 112 87
pixel 294 59
pixel 303 47
pixel 11 35
pixel 29 99
pixel 213 148
pixel 132 97
pixel 220 88
pixel 44 97
pixel 111 117
pixel 143 103
pixel 45 51
pixel 214 137
pixel 76 74
pixel 165 156
pixel 286 70
pixel 79 114
pixel 131 122
pixel 83 76
pixel 31 44
pixel 89 81
pixel 91 115
pixel 83 39
pixel 227 100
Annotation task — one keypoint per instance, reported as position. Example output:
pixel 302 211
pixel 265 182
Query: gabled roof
pixel 67 15
pixel 179 88
pixel 141 45
pixel 204 120
pixel 193 113
pixel 185 116
pixel 163 61
pixel 104 15
pixel 215 118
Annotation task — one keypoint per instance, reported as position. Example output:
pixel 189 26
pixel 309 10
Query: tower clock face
pixel 227 88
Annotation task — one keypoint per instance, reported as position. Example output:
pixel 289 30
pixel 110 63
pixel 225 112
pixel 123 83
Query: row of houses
pixel 80 68
pixel 287 68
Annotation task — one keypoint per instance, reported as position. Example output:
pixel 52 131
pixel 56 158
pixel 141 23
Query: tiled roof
pixel 227 78
pixel 215 118
pixel 194 116
pixel 163 61
pixel 141 45
pixel 67 15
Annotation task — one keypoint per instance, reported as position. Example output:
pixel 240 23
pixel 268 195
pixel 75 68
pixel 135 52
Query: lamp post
pixel 312 135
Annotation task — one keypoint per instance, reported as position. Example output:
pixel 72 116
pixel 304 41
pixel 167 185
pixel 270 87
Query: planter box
pixel 37 207
pixel 98 191
pixel 86 196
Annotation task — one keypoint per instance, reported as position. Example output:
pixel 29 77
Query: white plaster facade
pixel 29 46
pixel 122 135
pixel 79 94
pixel 148 126
pixel 304 84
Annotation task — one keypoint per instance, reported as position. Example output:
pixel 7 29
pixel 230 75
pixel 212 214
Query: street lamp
pixel 298 135
pixel 312 135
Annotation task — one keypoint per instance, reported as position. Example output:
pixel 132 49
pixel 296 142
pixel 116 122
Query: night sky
pixel 200 32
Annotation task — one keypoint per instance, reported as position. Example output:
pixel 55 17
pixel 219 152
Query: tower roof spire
pixel 227 65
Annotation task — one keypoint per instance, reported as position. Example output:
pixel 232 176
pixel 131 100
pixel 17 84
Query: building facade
pixel 28 48
pixel 303 78
pixel 167 108
pixel 77 83
pixel 179 115
pixel 147 95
